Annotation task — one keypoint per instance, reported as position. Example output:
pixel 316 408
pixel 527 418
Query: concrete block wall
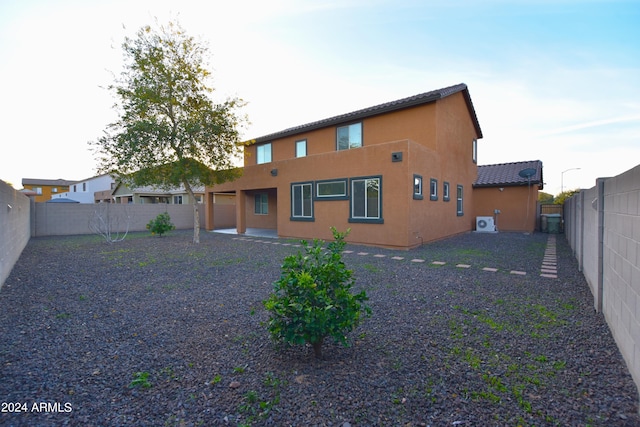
pixel 589 263
pixel 609 255
pixel 15 227
pixel 621 264
pixel 581 231
pixel 58 219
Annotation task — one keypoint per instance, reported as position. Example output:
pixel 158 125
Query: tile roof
pixel 36 181
pixel 122 189
pixel 509 174
pixel 412 101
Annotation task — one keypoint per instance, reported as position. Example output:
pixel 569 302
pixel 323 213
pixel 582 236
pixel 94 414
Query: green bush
pixel 161 224
pixel 313 299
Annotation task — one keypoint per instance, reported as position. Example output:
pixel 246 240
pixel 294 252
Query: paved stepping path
pixel 549 266
pixel 548 269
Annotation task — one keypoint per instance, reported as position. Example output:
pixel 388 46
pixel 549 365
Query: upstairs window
pixel 349 136
pixel 264 153
pixel 474 151
pixel 301 148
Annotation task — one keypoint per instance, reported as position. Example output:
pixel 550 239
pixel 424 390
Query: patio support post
pixel 241 212
pixel 208 211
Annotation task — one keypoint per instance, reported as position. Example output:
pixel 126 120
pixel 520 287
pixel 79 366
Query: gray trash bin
pixel 553 223
pixel 544 223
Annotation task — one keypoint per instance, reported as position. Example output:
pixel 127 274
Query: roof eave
pixel 401 104
pixel 346 118
pixel 508 184
pixel 472 112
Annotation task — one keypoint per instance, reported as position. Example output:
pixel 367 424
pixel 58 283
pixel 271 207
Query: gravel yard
pixel 160 332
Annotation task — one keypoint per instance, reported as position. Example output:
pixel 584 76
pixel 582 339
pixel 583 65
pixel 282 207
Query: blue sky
pixel 554 80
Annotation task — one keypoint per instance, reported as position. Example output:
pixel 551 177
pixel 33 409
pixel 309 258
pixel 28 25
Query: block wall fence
pixel 63 219
pixel 602 225
pixel 22 218
pixel 15 227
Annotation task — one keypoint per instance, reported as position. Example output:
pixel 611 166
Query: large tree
pixel 169 133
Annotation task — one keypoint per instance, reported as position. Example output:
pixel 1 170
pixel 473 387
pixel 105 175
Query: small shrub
pixel 141 380
pixel 161 224
pixel 313 299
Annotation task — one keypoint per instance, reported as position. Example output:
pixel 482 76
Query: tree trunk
pixel 196 214
pixel 196 222
pixel 317 348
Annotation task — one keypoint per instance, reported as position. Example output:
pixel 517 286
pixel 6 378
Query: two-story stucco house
pixel 398 174
pixel 84 191
pixel 45 189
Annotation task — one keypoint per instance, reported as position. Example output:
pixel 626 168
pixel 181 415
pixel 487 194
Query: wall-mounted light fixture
pixel 396 157
pixel 274 172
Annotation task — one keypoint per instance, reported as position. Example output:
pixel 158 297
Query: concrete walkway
pixel 251 232
pixel 548 269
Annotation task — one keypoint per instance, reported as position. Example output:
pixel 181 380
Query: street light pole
pixel 562 178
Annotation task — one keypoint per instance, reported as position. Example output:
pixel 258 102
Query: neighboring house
pixel 45 188
pixel 84 191
pixel 104 196
pixel 397 174
pixel 150 194
pixel 508 193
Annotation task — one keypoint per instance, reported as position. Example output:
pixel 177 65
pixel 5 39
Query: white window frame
pixel 354 136
pixel 417 187
pixel 367 217
pixel 302 214
pixel 335 196
pixel 433 189
pixel 460 200
pixel 301 148
pixel 474 151
pixel 263 153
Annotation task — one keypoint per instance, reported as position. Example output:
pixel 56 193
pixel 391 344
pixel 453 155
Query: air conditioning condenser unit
pixel 485 224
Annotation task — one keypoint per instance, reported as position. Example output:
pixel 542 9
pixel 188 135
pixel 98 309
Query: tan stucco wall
pixel 417 123
pixel 435 141
pixel 517 206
